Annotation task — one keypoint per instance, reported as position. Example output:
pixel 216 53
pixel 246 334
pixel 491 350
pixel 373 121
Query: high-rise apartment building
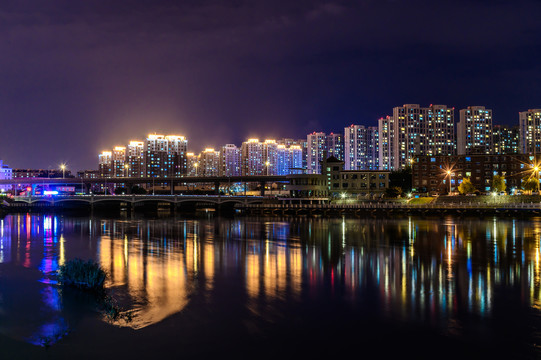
pixel 505 139
pixel 474 131
pixel 385 143
pixel 303 144
pixel 316 146
pixel 296 159
pixel 230 163
pixel 252 158
pixel 118 159
pixel 177 149
pixel 135 159
pixel 165 156
pixel 209 163
pixel 361 148
pixel 288 160
pixel 335 145
pixel 413 130
pixel 270 157
pixel 530 131
pixel 105 164
pixel 192 164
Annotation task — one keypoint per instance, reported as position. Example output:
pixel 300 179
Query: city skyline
pixel 74 83
pixel 456 119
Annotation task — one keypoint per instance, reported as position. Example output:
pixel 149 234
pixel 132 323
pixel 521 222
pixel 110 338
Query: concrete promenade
pixel 391 208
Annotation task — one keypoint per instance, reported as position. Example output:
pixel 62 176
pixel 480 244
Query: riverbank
pixel 390 208
pixel 461 205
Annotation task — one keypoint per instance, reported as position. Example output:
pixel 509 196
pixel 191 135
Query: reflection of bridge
pixel 171 182
pixel 131 200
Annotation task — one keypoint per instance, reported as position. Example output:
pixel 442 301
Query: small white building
pixel 6 173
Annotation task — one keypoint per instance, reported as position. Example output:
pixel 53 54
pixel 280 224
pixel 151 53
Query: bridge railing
pixel 391 205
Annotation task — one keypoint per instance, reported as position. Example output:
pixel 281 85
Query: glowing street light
pixel 449 174
pixel 536 173
pixel 267 164
pixel 126 166
pixel 63 167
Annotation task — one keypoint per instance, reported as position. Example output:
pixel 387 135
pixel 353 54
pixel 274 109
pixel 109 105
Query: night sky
pixel 78 77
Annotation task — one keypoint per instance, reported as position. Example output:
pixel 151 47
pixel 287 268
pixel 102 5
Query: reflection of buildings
pixel 418 269
pixel 31 242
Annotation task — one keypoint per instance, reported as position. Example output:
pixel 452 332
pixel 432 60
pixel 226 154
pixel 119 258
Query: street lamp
pixel 63 167
pixel 267 164
pixel 126 166
pixel 449 173
pixel 536 169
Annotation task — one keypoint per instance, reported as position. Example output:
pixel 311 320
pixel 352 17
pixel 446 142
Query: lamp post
pixel 536 169
pixel 63 167
pixel 126 167
pixel 449 173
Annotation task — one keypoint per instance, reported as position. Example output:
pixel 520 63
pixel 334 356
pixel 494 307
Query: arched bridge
pixel 133 199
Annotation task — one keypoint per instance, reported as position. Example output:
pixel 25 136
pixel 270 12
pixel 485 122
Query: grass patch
pixel 421 201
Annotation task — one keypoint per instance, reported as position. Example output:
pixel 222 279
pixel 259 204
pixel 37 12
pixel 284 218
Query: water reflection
pixel 31 310
pixel 421 270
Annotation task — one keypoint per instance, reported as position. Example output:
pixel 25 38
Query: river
pixel 268 287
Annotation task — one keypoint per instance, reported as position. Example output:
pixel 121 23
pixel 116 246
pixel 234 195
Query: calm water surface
pixel 274 287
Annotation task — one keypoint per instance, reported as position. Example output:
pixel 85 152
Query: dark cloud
pixel 77 77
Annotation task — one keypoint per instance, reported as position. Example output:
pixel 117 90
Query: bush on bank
pixel 86 275
pixel 90 276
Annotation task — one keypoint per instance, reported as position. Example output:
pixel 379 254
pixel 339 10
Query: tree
pixel 529 183
pixel 498 183
pixel 120 190
pixel 402 179
pixel 466 187
pixel 138 190
pixel 393 192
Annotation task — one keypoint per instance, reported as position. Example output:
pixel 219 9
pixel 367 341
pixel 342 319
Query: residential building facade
pixel 530 131
pixel 474 131
pixel 441 174
pixel 361 148
pixel 414 130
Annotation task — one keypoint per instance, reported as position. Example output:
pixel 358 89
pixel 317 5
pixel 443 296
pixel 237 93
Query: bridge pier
pixel 217 188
